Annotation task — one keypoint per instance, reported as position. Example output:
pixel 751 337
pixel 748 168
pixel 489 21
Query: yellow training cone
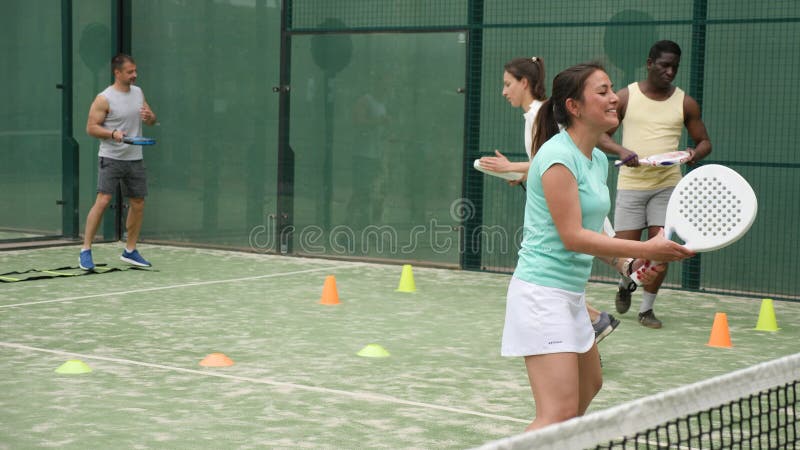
pixel 73 366
pixel 766 317
pixel 373 351
pixel 406 280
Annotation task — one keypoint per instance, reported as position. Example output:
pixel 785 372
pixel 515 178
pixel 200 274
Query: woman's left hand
pixel 497 163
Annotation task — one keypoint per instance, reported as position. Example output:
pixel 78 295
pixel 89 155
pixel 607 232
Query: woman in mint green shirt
pixel 567 201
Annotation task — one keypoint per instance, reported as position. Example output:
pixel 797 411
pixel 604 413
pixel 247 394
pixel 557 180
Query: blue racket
pixel 138 140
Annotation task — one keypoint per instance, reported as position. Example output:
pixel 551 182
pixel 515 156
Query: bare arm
pixel 561 193
pixel 692 118
pixel 500 163
pixel 607 143
pixel 97 115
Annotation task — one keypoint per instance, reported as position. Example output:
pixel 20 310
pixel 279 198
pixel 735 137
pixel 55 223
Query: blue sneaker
pixel 85 260
pixel 134 258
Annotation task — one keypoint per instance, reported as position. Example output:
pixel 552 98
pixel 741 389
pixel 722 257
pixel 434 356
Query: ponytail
pixel 545 126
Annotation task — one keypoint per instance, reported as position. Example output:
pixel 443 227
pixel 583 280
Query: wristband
pixel 112 133
pixel 629 268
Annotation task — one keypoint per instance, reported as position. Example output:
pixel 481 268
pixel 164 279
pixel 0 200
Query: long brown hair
pixel 569 83
pixel 532 69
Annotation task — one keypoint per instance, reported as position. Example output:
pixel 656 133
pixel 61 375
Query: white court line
pixel 357 395
pixel 175 286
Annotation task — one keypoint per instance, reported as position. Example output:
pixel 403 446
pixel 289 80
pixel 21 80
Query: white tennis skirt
pixel 542 320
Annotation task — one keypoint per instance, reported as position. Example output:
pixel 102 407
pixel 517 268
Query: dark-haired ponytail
pixel 545 126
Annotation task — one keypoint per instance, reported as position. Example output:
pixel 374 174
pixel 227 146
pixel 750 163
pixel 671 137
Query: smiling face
pixel 516 91
pixel 598 108
pixel 662 70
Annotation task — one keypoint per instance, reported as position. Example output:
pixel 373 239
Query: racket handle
pixel 620 162
pixel 637 275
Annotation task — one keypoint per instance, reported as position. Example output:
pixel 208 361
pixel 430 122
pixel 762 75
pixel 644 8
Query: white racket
pixel 711 207
pixel 510 176
pixel 662 159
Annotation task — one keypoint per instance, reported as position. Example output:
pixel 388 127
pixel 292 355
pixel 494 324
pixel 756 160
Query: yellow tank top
pixel 651 127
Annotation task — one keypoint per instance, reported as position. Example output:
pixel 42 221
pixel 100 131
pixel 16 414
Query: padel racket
pixel 662 159
pixel 711 207
pixel 138 140
pixel 510 176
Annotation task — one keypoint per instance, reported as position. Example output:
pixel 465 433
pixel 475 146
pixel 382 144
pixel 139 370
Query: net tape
pixel 639 415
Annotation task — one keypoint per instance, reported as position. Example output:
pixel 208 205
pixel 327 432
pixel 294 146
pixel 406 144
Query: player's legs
pixel 133 223
pixel 626 286
pixel 630 220
pixel 590 378
pixel 656 211
pixel 655 284
pixel 134 187
pixel 563 385
pixel 94 217
pixel 109 174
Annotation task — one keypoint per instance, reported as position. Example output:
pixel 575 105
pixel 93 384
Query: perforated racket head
pixel 510 176
pixel 712 207
pixel 138 140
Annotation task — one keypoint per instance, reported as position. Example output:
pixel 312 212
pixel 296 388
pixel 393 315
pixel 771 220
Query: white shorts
pixel 542 320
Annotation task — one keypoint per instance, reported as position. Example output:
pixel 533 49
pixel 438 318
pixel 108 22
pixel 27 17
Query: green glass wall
pixel 30 119
pixel 93 45
pixel 207 70
pixel 378 154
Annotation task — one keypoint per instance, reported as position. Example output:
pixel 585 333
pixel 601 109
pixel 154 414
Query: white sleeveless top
pixel 530 119
pixel 123 115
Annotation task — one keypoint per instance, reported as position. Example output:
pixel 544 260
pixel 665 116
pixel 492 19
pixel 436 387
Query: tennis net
pixel 752 408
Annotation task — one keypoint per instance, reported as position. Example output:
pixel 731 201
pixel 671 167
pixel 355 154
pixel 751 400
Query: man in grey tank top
pixel 117 112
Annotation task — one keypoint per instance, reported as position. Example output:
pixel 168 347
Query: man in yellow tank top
pixel 653 113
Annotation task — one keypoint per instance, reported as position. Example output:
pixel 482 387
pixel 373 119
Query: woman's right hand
pixel 497 163
pixel 662 249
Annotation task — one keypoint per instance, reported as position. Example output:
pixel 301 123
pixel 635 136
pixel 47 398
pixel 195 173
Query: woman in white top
pixel 523 87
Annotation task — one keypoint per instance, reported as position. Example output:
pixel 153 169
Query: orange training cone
pixel 216 360
pixel 720 336
pixel 329 294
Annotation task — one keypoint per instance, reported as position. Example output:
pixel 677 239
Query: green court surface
pixel 297 381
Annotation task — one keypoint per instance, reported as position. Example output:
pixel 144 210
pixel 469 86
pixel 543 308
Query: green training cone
pixel 406 280
pixel 766 317
pixel 73 366
pixel 373 351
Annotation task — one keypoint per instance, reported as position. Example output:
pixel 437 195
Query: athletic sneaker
pixel 648 319
pixel 604 326
pixel 85 260
pixel 623 299
pixel 134 258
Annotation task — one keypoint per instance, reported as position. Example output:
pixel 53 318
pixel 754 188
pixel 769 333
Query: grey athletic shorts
pixel 637 210
pixel 132 175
